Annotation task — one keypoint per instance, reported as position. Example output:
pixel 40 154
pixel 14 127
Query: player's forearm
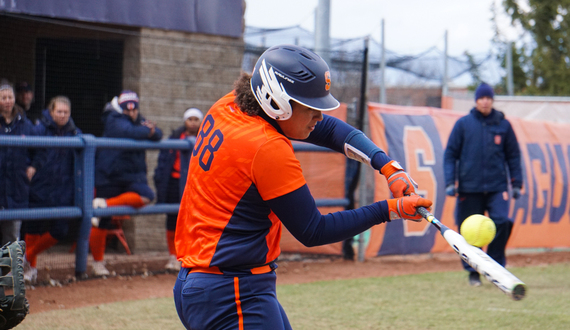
pixel 338 226
pixel 359 147
pixel 339 136
pixel 311 228
pixel 330 133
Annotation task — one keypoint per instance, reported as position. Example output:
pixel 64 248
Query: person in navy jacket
pixel 17 164
pixel 483 157
pixel 171 173
pixel 52 186
pixel 120 174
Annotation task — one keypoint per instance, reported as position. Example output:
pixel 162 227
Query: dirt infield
pixel 155 284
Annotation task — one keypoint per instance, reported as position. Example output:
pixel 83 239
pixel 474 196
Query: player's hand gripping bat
pixel 479 260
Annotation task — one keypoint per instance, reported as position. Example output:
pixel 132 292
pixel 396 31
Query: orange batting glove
pixel 405 207
pixel 399 182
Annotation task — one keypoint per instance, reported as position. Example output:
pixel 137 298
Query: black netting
pixel 346 55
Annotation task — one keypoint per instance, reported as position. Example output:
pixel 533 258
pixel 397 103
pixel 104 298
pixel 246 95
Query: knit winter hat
pixel 193 112
pixel 484 90
pixel 5 84
pixel 23 87
pixel 128 100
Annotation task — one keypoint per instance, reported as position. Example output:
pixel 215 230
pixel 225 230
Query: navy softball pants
pixel 498 208
pixel 226 301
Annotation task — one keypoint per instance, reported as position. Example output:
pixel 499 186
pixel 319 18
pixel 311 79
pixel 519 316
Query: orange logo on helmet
pixel 327 80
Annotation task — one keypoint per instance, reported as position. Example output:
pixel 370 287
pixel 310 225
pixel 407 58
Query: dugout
pixel 174 54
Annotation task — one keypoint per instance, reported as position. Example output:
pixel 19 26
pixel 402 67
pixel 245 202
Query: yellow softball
pixel 478 230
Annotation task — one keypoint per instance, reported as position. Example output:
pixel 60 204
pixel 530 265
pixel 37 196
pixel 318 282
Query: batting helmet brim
pixel 325 103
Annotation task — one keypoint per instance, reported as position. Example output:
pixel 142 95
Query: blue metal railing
pixel 86 145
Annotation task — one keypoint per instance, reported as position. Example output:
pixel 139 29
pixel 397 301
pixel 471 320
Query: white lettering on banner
pixel 419 159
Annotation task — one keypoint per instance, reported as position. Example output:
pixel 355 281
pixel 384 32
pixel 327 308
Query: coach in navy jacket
pixel 477 151
pixel 483 156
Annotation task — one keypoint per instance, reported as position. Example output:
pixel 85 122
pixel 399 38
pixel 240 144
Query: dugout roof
pixel 217 17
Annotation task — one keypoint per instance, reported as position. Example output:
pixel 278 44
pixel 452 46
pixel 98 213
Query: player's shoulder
pixel 226 113
pixel 274 139
pixel 224 102
pixel 238 128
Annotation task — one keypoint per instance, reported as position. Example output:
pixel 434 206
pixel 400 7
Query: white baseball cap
pixel 193 112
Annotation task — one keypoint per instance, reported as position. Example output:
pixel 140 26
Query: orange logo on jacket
pixel 327 80
pixel 497 139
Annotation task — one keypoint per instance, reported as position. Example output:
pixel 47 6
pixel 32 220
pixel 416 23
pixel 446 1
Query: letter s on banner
pixel 420 158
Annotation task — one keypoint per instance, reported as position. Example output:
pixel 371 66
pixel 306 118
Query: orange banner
pixel 417 137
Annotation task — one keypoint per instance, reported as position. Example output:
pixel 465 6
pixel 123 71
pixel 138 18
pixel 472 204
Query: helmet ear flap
pixel 272 92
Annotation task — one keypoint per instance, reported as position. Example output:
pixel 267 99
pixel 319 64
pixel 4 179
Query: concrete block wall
pixel 172 71
pixel 181 70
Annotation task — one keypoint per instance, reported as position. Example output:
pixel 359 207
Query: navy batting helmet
pixel 286 72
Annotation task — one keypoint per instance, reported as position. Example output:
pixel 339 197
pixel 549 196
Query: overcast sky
pixel 411 26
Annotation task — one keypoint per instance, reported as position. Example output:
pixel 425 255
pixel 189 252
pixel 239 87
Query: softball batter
pixel 244 182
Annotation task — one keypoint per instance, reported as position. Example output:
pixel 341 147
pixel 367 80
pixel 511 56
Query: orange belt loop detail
pixel 261 270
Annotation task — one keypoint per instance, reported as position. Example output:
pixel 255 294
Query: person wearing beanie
pixel 120 174
pixel 171 173
pixel 25 99
pixel 481 149
pixel 484 96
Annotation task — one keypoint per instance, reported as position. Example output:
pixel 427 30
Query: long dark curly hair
pixel 244 96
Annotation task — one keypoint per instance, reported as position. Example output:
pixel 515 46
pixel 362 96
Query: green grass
pixel 427 301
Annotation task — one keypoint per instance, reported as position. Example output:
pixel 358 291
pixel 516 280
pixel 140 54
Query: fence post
pixel 85 184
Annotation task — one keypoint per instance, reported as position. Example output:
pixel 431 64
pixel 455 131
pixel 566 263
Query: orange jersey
pixel 237 164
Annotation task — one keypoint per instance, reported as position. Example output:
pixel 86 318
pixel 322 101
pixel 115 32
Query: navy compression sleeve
pixel 298 212
pixel 359 147
pixel 331 133
pixel 338 135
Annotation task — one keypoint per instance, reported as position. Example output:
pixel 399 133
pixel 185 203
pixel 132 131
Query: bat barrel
pixel 479 260
pixel 519 291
